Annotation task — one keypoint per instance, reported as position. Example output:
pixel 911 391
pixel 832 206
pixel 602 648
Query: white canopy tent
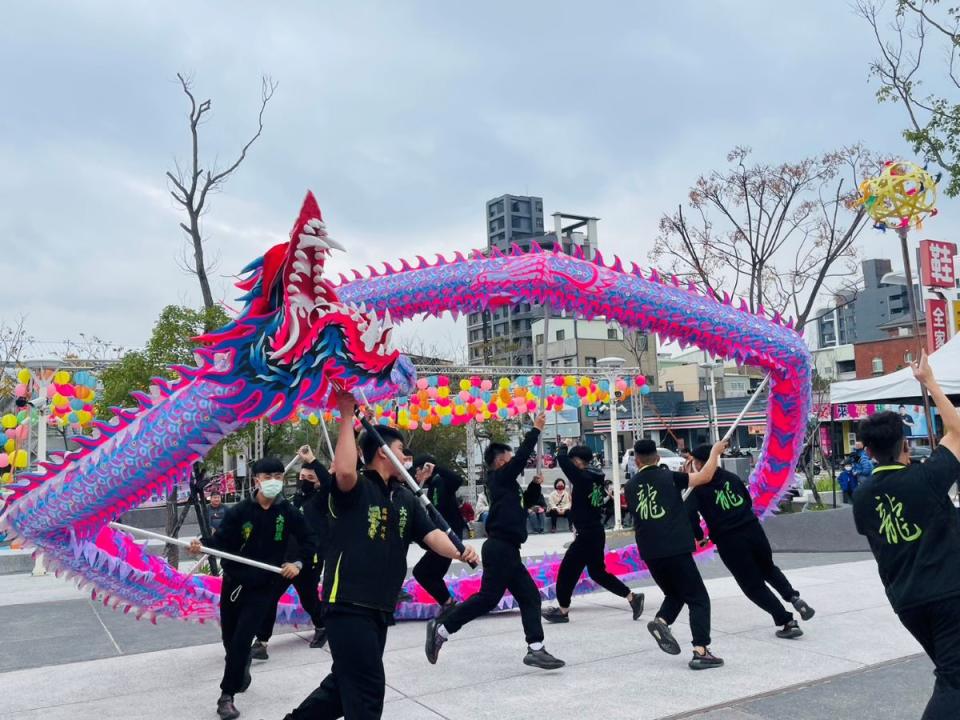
pixel 900 384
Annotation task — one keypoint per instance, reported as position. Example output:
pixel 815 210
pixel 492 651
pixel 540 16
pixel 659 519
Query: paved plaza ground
pixel 66 657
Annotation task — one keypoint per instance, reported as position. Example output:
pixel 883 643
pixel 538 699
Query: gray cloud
pixel 402 117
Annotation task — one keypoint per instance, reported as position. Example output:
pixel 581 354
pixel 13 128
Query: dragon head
pixel 294 338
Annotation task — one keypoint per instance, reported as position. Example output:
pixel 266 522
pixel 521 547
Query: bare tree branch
pixel 190 187
pixel 781 230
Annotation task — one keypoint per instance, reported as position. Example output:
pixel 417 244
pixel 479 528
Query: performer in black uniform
pixel 258 529
pixel 503 568
pixel 726 505
pixel 905 512
pixel 586 551
pixel 441 485
pixel 373 519
pixel 665 541
pixel 311 500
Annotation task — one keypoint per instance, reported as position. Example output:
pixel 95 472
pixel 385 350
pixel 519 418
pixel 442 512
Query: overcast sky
pixel 403 117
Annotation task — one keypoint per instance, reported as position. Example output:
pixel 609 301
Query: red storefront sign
pixel 937 268
pixel 937 324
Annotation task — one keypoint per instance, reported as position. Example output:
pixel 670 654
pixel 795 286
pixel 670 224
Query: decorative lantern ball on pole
pixel 901 196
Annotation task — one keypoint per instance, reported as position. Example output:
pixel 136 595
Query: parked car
pixel 668 459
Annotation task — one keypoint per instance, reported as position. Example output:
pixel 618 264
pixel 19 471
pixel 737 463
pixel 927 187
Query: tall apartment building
pixel 504 336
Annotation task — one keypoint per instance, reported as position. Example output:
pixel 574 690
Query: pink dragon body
pixel 298 333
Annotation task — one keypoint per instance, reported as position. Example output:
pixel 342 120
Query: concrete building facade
pixel 858 316
pixel 685 373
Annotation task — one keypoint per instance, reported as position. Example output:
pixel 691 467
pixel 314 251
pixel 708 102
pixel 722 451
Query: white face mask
pixel 408 465
pixel 271 488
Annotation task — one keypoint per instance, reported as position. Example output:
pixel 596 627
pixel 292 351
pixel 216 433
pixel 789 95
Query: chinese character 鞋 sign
pixel 936 263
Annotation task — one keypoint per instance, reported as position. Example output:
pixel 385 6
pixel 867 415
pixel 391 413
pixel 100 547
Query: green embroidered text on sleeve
pixel 597 496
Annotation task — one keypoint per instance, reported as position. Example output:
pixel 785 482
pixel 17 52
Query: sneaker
pixel 542 659
pixel 258 651
pixel 665 639
pixel 226 710
pixel 319 637
pixel 790 630
pixel 704 662
pixel 637 605
pixel 435 641
pixel 806 612
pixel 555 615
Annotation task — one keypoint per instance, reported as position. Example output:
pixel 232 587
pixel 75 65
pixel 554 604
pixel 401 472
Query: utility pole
pixel 612 365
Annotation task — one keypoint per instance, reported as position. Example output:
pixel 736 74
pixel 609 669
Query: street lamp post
pixel 612 365
pixel 714 422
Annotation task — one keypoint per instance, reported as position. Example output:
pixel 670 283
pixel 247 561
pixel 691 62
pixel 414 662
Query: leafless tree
pixel 13 341
pixel 915 30
pixel 91 350
pixel 779 235
pixel 642 353
pixel 191 185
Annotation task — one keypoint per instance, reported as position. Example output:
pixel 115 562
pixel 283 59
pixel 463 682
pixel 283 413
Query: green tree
pixel 918 43
pixel 447 444
pixel 171 343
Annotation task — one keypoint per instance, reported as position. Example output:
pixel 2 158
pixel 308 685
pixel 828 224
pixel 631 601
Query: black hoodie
pixel 261 534
pixel 507 520
pixel 589 494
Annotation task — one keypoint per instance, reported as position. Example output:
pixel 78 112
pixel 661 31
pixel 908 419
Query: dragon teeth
pixel 302 266
pixel 370 337
pixel 334 244
pixel 314 241
pixel 308 228
pixel 292 288
pixel 300 255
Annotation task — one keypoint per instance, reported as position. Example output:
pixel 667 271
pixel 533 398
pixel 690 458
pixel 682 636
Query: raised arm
pixel 566 464
pixel 705 474
pixel 345 455
pixel 516 466
pixel 951 419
